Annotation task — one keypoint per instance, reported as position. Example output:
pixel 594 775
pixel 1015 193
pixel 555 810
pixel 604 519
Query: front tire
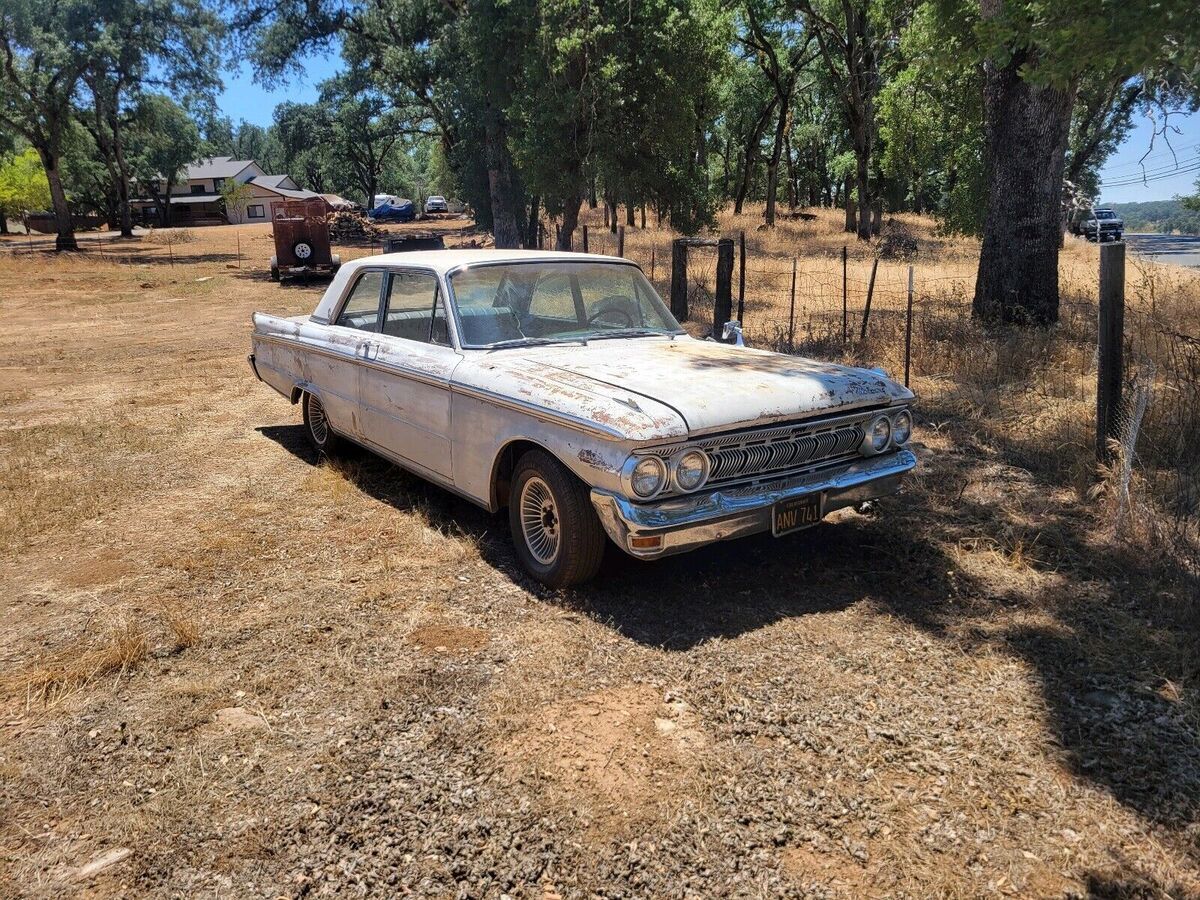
pixel 554 527
pixel 316 426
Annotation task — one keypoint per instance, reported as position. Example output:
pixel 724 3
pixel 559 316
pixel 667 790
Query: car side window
pixel 362 307
pixel 414 309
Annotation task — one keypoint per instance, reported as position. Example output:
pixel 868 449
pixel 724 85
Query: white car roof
pixel 441 262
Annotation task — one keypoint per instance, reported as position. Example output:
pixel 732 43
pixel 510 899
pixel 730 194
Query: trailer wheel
pixel 303 250
pixel 274 273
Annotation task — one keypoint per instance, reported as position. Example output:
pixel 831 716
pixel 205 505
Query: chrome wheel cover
pixel 540 524
pixel 318 425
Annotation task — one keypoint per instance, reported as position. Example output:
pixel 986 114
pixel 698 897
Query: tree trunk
pixel 1025 140
pixel 851 210
pixel 629 213
pixel 3 222
pixel 750 156
pixel 592 201
pixel 773 165
pixel 501 190
pixel 570 219
pixel 531 227
pixel 58 199
pixel 864 195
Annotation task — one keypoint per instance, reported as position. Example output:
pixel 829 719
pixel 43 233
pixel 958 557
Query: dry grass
pixel 255 668
pixel 120 647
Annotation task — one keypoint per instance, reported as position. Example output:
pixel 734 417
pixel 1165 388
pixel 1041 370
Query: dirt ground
pixel 229 670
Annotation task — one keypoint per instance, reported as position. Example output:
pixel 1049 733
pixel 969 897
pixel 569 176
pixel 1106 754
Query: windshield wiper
pixel 629 332
pixel 534 342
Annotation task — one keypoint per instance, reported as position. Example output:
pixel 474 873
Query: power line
pixel 1192 166
pixel 1161 170
pixel 1153 159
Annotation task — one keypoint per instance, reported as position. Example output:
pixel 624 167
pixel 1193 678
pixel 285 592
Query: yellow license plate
pixel 797 513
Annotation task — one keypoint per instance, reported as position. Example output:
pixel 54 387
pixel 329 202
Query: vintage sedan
pixel 559 385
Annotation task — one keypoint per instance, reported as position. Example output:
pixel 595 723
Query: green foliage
pixel 1193 202
pixel 1178 216
pixel 930 123
pixel 23 185
pixel 236 197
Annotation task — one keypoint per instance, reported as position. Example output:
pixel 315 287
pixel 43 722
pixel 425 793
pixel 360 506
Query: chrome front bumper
pixel 692 521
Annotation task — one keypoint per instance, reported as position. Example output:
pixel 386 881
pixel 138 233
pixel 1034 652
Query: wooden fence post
pixel 621 240
pixel 679 297
pixel 792 309
pixel 652 255
pixel 723 304
pixel 741 316
pixel 585 241
pixel 1110 368
pixel 908 329
pixel 870 294
pixel 845 303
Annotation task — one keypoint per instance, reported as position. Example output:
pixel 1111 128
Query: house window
pixel 197 189
pixel 218 183
pixel 255 211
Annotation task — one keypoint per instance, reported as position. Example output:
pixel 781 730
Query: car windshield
pixel 553 301
pixel 1105 214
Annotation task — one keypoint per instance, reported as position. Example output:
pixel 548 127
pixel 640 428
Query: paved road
pixel 1172 248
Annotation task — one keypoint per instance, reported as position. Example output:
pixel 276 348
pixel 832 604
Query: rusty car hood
pixel 711 387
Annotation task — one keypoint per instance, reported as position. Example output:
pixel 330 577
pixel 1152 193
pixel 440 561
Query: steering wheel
pixel 613 305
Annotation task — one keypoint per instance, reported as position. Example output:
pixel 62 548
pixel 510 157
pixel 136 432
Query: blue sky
pixel 244 99
pixel 1123 165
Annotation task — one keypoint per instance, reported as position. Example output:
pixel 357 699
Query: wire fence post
pixel 170 250
pixel 870 294
pixel 741 316
pixel 723 300
pixel 908 329
pixel 652 255
pixel 1110 367
pixel 238 233
pixel 585 240
pixel 845 303
pixel 679 297
pixel 621 240
pixel 792 310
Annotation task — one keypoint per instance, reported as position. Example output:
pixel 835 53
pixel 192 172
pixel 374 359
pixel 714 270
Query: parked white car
pixel 436 203
pixel 558 385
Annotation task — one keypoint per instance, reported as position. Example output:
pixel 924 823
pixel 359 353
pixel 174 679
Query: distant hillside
pixel 1163 216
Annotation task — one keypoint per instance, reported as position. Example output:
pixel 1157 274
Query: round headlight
pixel 648 476
pixel 902 426
pixel 879 432
pixel 691 469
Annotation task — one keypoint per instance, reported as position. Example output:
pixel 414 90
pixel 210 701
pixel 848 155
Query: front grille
pixel 780 449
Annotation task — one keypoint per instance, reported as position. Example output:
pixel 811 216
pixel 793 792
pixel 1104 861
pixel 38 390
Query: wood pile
pixel 347 226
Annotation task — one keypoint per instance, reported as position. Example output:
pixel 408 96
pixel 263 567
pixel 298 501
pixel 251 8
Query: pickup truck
pixel 1099 224
pixel 559 386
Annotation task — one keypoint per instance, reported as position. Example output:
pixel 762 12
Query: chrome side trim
pixel 538 412
pixel 401 371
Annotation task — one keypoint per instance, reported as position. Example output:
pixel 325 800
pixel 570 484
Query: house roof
pixel 268 181
pixel 217 167
pixel 271 183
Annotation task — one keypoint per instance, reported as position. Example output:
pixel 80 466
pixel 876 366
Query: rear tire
pixel 555 530
pixel 316 426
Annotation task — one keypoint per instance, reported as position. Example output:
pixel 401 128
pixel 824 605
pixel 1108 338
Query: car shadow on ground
pixel 1105 669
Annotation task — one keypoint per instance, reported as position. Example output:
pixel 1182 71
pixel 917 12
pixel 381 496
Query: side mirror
pixel 732 334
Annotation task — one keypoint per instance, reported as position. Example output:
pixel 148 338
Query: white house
pixel 196 200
